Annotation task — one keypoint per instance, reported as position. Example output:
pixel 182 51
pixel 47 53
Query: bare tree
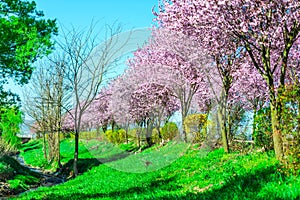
pixel 45 100
pixel 88 63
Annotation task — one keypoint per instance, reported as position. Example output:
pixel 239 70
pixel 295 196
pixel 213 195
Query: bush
pixel 262 133
pixel 290 126
pixel 116 137
pixel 88 135
pixel 155 136
pixel 70 135
pixel 169 131
pixel 195 127
pixel 6 171
pixel 9 125
pixel 6 149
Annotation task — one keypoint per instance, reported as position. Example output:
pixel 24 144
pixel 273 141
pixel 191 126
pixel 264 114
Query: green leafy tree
pixel 25 37
pixel 10 121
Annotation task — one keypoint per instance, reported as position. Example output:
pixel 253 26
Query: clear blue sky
pixel 79 13
pixel 131 14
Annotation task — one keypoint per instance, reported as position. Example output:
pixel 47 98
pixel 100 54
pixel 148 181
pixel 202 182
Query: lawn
pixel 174 171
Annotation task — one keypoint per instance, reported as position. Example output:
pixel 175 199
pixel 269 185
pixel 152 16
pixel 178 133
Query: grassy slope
pixel 174 173
pixel 18 177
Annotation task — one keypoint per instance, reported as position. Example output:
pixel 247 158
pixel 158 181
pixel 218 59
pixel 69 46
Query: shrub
pixel 110 136
pixel 195 127
pixel 121 136
pixel 6 149
pixel 290 126
pixel 88 135
pixel 69 135
pixel 169 131
pixel 9 125
pixel 262 133
pixel 155 136
pixel 116 137
pixel 6 171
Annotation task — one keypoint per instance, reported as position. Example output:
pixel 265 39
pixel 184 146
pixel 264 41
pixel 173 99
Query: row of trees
pixel 68 81
pixel 229 52
pixel 261 34
pixel 203 56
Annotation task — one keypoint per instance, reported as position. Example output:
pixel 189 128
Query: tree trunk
pixel 229 123
pixel 203 128
pixel 159 134
pixel 75 164
pixel 222 117
pixel 126 133
pixel 149 132
pixel 275 119
pixel 58 149
pixel 277 136
pixel 104 128
pixel 113 126
pixel 51 146
pixel 183 116
pixel 97 132
pixel 44 145
pixel 138 134
pixel 222 120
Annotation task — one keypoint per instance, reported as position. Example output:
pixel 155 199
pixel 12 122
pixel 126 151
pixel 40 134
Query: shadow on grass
pixel 148 189
pixel 239 187
pixel 85 164
pixel 114 157
pixel 16 178
pixel 32 146
pixel 17 167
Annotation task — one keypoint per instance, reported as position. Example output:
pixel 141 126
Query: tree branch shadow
pixel 85 164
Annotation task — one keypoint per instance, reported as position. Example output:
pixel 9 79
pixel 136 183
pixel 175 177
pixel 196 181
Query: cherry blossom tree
pixel 250 90
pixel 97 114
pixel 176 62
pixel 267 30
pixel 189 18
pixel 151 104
pixel 294 62
pixel 121 90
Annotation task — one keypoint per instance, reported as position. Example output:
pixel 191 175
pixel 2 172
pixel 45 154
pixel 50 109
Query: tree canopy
pixel 25 37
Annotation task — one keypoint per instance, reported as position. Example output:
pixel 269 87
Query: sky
pixel 134 16
pixel 131 14
pixel 80 13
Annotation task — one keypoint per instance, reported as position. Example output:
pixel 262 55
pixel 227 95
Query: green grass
pixel 18 177
pixel 175 171
pixel 33 155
